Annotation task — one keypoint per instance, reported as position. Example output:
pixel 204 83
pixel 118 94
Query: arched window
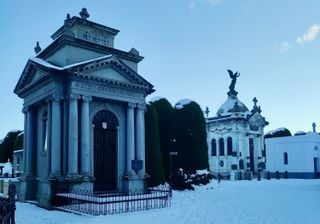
pixel 229 146
pixel 285 158
pixel 221 147
pixel 213 147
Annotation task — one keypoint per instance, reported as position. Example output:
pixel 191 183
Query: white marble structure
pixel 294 156
pixel 235 138
pixel 84 105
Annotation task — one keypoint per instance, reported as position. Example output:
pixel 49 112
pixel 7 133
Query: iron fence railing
pixel 8 206
pixel 105 203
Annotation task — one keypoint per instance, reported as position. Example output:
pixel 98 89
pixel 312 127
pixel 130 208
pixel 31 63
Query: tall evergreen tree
pixel 189 130
pixel 164 112
pixel 154 161
pixel 7 146
pixel 280 132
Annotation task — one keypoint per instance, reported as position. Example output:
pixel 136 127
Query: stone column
pixel 85 135
pixel 56 137
pixel 29 150
pixel 48 135
pixel 130 138
pixel 73 136
pixel 140 137
pixel 24 110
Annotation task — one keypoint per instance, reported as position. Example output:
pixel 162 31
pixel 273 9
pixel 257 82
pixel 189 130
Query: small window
pixel 221 147
pixel 86 35
pixel 285 158
pixel 213 147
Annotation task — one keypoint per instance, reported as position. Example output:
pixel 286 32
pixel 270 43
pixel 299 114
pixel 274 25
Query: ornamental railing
pixel 8 206
pixel 108 203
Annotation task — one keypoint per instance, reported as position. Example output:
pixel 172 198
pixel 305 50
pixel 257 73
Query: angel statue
pixel 234 77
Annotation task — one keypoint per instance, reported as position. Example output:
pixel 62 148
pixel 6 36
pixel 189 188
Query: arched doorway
pixel 105 151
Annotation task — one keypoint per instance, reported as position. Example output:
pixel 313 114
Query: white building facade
pixel 294 156
pixel 235 138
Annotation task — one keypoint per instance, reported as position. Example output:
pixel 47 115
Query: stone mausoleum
pixel 84 104
pixel 235 137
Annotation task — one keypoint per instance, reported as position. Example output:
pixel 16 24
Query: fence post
pixel 12 201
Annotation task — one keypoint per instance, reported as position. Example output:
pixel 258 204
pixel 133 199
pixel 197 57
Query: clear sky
pixel 188 46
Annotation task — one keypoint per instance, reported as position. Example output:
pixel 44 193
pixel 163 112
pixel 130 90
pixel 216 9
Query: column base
pixel 130 174
pixel 133 185
pixel 142 174
pixel 27 188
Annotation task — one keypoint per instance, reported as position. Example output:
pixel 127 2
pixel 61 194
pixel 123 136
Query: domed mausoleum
pixel 235 137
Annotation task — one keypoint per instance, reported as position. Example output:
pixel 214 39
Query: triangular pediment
pixel 31 75
pixel 110 68
pixel 109 73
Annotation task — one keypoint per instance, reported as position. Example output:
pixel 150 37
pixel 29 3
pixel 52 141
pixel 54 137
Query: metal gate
pixel 105 151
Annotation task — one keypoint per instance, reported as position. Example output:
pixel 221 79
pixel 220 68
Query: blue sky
pixel 188 46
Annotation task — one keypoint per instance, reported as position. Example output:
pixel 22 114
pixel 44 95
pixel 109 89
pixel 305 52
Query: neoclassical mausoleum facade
pixel 235 137
pixel 84 104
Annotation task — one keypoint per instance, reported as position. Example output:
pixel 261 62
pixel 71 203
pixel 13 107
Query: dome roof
pixel 232 105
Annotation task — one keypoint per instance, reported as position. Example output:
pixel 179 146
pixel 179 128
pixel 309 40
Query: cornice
pixel 73 41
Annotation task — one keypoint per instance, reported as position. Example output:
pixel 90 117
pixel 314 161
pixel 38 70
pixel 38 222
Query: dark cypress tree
pixel 154 162
pixel 164 112
pixel 189 130
pixel 7 146
pixel 280 132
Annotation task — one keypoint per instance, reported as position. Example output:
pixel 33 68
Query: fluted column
pixel 73 136
pixel 130 138
pixel 85 135
pixel 29 150
pixel 56 137
pixel 140 137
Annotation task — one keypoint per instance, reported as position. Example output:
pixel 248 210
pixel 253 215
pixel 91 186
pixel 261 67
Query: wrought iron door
pixel 105 151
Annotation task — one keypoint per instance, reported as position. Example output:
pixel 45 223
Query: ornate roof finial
pixel 37 48
pixel 314 127
pixel 255 101
pixel 84 14
pixel 67 20
pixel 233 76
pixel 255 106
pixel 207 111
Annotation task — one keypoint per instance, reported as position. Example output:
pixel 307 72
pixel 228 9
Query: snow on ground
pixel 232 202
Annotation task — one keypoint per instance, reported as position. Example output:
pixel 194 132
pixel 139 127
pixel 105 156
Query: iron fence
pixel 105 203
pixel 8 206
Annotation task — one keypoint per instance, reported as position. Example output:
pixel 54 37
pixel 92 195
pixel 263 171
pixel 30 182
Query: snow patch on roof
pixel 49 65
pixel 181 103
pixel 226 108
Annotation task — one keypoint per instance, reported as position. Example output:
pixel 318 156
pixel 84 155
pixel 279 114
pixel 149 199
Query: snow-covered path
pixel 241 202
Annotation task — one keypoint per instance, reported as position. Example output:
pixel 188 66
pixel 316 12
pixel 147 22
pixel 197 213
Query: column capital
pixel 131 105
pixel 73 96
pixel 141 106
pixel 86 98
pixel 25 109
pixel 57 97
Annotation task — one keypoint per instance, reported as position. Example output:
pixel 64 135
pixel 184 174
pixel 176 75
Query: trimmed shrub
pixel 154 161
